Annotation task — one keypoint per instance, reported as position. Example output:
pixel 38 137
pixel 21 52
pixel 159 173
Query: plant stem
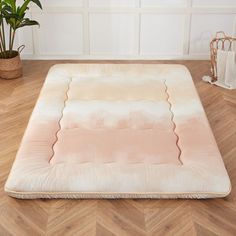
pixel 13 39
pixel 1 41
pixel 10 39
pixel 2 48
pixel 3 53
pixel 4 38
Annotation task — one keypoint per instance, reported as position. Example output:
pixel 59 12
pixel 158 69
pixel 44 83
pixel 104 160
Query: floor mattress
pixel 118 131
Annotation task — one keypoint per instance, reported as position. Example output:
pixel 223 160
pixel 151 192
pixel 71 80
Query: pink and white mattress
pixel 118 131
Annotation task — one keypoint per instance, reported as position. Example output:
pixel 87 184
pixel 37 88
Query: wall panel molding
pixel 36 48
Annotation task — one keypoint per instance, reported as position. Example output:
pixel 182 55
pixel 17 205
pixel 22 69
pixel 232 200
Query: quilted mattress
pixel 118 131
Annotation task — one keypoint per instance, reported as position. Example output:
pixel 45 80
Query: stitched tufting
pixel 59 122
pixel 172 120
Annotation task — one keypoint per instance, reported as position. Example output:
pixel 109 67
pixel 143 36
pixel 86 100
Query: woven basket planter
pixel 11 68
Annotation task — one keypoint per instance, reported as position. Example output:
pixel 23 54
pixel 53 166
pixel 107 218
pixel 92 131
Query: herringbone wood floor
pixel 114 217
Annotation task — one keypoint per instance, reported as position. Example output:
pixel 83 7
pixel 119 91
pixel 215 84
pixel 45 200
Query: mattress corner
pixel 183 67
pixel 7 190
pixel 10 186
pixel 227 190
pixel 55 68
pixel 61 68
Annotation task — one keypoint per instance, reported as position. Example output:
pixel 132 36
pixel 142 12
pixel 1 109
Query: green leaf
pixel 24 7
pixel 27 22
pixel 6 9
pixel 12 4
pixel 38 3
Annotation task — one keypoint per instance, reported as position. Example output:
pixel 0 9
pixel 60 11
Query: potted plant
pixel 12 16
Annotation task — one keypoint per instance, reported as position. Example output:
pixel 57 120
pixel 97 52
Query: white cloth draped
pixel 226 70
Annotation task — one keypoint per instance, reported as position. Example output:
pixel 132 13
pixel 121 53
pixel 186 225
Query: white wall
pixel 127 29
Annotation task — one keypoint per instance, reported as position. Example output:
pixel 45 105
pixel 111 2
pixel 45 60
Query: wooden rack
pixel 223 42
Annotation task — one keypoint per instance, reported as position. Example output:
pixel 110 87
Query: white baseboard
pixel 118 57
